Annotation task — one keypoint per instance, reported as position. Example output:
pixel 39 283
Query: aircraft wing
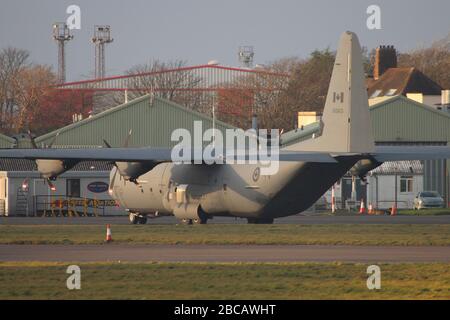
pixel 306 156
pixel 141 154
pixel 98 154
pixel 399 153
pixel 381 154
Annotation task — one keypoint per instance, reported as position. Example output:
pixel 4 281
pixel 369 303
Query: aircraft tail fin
pixel 346 125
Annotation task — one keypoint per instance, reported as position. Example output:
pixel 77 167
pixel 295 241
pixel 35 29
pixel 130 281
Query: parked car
pixel 428 199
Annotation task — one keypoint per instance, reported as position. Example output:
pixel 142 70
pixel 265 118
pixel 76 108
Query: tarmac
pixel 297 219
pixel 224 253
pixel 227 253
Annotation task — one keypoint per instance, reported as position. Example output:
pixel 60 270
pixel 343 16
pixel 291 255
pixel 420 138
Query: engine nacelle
pixel 132 170
pixel 50 169
pixel 362 167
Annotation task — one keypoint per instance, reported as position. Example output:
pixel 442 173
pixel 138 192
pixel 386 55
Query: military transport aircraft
pixel 148 183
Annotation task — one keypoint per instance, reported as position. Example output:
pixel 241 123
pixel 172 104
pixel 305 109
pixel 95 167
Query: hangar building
pixel 152 121
pixel 400 121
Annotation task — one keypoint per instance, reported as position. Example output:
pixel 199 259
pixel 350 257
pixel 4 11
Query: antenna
pixel 102 36
pixel 246 54
pixel 61 34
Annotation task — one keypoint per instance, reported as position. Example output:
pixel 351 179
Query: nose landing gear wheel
pixel 137 218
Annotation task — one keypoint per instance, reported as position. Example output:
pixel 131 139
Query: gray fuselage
pixel 229 190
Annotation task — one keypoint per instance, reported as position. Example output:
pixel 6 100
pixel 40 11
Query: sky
pixel 198 31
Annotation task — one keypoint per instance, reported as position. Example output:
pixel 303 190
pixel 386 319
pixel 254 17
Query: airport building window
pixel 73 187
pixel 406 184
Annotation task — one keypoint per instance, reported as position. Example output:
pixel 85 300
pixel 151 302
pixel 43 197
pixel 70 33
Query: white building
pixel 381 190
pixel 84 190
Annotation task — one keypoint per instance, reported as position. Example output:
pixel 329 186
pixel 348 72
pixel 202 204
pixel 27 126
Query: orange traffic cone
pixel 108 233
pixel 333 205
pixel 333 200
pixel 370 209
pixel 362 208
pixel 394 210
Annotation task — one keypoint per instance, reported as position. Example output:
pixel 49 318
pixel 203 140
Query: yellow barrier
pixel 58 206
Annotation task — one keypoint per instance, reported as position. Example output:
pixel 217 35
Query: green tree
pixel 306 91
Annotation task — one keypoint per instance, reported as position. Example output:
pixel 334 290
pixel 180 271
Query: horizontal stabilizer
pixel 400 153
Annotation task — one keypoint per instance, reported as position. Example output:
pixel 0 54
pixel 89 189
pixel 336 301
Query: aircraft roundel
pixel 256 174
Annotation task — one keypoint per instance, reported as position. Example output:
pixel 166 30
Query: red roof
pixel 397 81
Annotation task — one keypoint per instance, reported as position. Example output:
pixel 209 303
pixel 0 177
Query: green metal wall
pixel 7 142
pixel 396 120
pixel 401 119
pixel 404 120
pixel 152 123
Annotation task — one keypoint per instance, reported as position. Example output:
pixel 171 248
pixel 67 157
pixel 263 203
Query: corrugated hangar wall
pixel 151 119
pixel 6 142
pixel 403 121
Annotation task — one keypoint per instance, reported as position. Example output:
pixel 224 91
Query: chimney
pixel 385 58
pixel 445 97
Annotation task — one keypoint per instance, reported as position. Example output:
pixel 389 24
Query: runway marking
pixel 225 253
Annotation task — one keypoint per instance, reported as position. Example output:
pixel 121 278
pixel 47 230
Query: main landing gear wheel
pixel 133 218
pixel 260 220
pixel 186 221
pixel 200 220
pixel 142 219
pixel 137 218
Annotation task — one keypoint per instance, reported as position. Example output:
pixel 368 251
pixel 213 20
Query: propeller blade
pixel 51 185
pixel 127 140
pixel 106 143
pixel 111 184
pixel 53 140
pixel 33 143
pixel 109 146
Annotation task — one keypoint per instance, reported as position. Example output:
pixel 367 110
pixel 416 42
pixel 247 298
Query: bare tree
pixel 253 93
pixel 31 86
pixel 305 91
pixel 169 80
pixel 433 61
